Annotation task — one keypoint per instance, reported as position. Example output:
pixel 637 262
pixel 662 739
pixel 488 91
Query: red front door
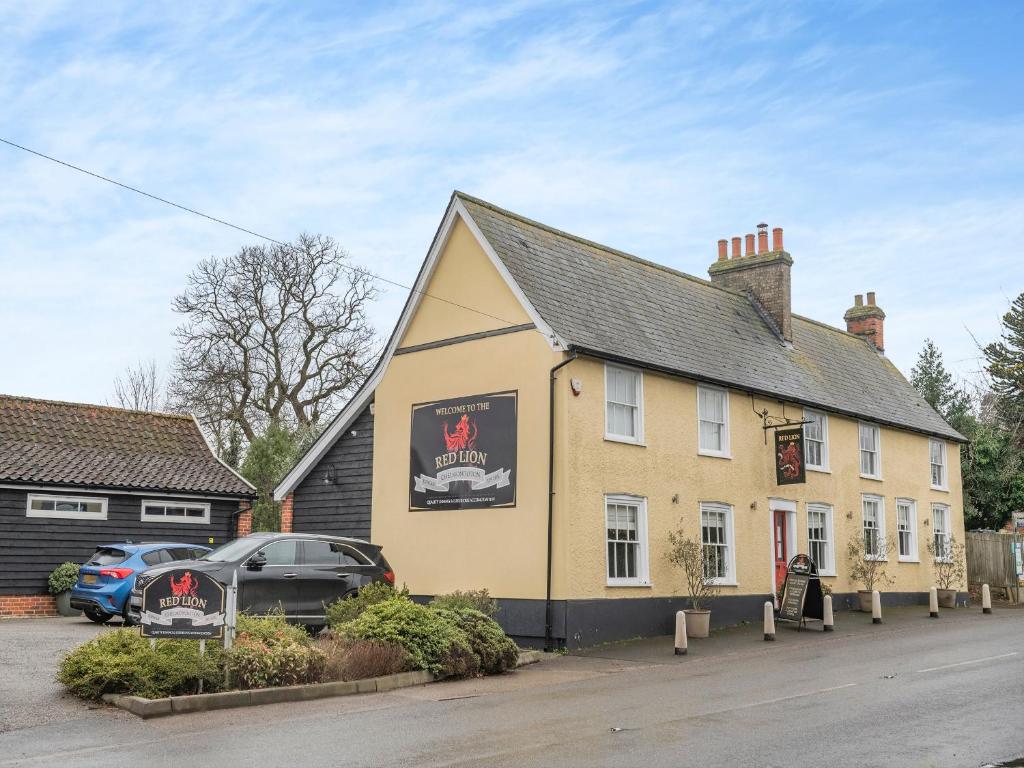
pixel 779 539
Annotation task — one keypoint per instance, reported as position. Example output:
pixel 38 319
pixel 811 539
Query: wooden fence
pixel 991 560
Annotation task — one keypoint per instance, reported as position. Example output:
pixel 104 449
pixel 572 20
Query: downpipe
pixel 549 640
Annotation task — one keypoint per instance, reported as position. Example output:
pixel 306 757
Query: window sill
pixel 876 559
pixel 713 454
pixel 827 574
pixel 625 440
pixel 910 560
pixel 629 583
pixel 724 583
pixel 940 489
pixel 871 477
pixel 823 470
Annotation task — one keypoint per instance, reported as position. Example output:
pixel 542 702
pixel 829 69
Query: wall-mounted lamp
pixel 753 505
pixel 576 386
pixel 925 523
pixel 675 498
pixel 849 515
pixel 331 475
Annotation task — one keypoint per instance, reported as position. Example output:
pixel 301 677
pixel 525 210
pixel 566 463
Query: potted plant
pixel 868 567
pixel 61 580
pixel 688 554
pixel 948 559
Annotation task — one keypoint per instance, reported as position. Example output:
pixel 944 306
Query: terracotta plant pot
pixel 63 600
pixel 864 597
pixel 947 598
pixel 698 623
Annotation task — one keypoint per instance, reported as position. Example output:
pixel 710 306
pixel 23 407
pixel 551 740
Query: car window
pixel 281 552
pixel 107 556
pixel 152 558
pixel 330 553
pixel 179 553
pixel 197 553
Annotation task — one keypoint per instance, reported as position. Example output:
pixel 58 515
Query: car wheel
pixel 98 616
pixel 127 619
pixel 313 629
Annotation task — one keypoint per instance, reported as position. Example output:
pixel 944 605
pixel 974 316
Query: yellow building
pixel 548 409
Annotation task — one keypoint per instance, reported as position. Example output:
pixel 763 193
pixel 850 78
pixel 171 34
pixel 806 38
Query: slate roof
pixel 43 442
pixel 613 305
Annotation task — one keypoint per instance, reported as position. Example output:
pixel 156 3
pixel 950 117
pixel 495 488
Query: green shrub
pixel 434 640
pixel 268 651
pixel 63 578
pixel 474 599
pixel 344 611
pixel 496 652
pixel 121 661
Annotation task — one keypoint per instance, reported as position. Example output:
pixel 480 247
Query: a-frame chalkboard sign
pixel 801 593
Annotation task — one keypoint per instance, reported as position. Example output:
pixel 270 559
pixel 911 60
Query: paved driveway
pixel 30 650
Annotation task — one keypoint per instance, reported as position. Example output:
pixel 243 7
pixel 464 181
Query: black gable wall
pixel 341 508
pixel 31 547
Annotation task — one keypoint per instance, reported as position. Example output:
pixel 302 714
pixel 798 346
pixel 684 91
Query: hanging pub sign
pixel 789 456
pixel 183 603
pixel 464 453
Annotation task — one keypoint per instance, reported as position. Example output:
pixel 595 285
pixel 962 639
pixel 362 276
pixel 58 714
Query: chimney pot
pixel 871 298
pixel 868 322
pixel 777 239
pixel 858 300
pixel 766 279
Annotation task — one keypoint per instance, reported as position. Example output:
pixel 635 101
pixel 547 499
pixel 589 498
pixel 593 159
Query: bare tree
pixel 140 388
pixel 275 334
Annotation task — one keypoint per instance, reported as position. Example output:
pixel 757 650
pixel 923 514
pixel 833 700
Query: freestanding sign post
pixel 183 604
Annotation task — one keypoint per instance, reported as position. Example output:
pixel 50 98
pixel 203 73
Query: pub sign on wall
pixel 463 453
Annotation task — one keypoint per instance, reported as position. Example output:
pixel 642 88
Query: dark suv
pixel 298 573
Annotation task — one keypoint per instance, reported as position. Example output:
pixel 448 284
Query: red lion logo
pixel 789 461
pixel 186 586
pixel 464 436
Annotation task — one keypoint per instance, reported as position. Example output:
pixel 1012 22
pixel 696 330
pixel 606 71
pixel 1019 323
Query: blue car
pixel 105 582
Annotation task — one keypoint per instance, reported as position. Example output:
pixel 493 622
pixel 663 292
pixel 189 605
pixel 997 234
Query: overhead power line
pixel 225 223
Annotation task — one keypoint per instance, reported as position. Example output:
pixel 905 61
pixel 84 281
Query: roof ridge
pixel 594 244
pixel 162 414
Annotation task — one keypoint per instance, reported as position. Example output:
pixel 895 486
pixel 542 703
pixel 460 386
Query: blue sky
pixel 886 138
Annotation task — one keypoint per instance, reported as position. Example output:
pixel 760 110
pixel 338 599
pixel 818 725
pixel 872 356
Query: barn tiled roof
pixel 69 444
pixel 615 305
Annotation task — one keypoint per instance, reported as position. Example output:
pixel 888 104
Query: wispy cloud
pixel 892 160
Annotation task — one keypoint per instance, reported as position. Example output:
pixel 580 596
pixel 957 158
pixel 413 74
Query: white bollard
pixel 769 620
pixel 876 607
pixel 680 633
pixel 827 623
pixel 986 599
pixel 933 603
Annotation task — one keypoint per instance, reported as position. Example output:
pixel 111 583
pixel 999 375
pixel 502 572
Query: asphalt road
pixel 910 693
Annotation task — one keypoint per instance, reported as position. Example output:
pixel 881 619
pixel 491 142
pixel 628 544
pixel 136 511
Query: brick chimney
pixel 764 275
pixel 866 320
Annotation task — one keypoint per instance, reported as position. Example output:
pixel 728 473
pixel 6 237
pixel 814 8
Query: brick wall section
pixel 244 527
pixel 767 276
pixel 27 605
pixel 287 512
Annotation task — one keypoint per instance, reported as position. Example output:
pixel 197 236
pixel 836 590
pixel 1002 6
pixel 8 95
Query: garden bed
pixel 204 702
pixel 379 640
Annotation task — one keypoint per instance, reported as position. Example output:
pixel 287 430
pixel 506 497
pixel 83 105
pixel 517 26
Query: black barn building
pixel 74 476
